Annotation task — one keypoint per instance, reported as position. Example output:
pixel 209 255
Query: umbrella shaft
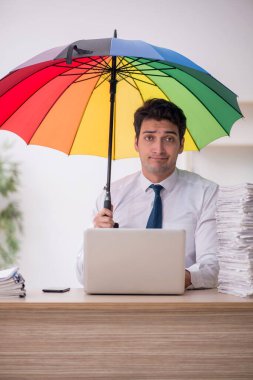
pixel 108 184
pixel 113 84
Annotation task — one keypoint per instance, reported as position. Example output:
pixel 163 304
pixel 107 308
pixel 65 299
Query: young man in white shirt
pixel 188 200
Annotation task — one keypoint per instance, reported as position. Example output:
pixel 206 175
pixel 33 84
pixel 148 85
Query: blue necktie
pixel 155 218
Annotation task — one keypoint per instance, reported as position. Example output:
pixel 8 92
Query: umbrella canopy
pixel 65 106
pixel 61 98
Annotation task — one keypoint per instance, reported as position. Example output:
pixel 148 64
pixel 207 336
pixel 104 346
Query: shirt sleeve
pixel 204 274
pixel 81 253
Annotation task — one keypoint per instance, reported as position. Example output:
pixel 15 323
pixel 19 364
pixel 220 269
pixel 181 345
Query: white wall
pixel 57 192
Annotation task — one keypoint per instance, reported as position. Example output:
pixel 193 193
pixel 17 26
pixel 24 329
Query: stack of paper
pixel 235 239
pixel 11 283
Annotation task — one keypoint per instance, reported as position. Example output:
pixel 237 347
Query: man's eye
pixel 169 139
pixel 148 138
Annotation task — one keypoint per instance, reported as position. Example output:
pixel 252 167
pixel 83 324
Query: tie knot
pixel 157 188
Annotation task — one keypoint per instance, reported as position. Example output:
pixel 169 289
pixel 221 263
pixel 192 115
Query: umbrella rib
pixel 153 69
pixel 124 77
pixel 88 72
pixel 130 71
pixel 154 84
pixel 106 77
pixel 83 80
pixel 106 63
pixel 102 61
pixel 129 67
pixel 120 61
pixel 148 61
pixel 193 139
pixel 135 79
pixel 215 92
pixel 150 69
pixel 145 70
pixel 137 60
pixel 80 62
pixel 86 66
pixel 91 68
pixel 137 88
pixel 143 73
pixel 102 68
pixel 107 68
pixel 127 64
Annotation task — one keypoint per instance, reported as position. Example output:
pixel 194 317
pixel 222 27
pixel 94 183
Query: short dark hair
pixel 160 109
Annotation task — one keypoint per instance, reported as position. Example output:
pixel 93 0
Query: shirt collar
pixel 168 183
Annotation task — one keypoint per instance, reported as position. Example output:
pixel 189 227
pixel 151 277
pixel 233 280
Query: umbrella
pixel 80 98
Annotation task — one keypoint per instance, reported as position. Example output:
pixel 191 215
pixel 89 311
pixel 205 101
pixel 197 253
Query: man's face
pixel 158 147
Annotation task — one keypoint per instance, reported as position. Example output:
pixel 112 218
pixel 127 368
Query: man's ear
pixel 181 146
pixel 136 144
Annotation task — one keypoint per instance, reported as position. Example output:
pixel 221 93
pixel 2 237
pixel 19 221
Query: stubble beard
pixel 158 170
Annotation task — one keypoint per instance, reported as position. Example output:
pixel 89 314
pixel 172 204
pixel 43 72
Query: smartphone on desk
pixel 56 290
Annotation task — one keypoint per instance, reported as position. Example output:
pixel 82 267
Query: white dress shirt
pixel 188 202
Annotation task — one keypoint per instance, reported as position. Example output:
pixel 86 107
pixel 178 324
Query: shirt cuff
pixel 196 277
pixel 204 276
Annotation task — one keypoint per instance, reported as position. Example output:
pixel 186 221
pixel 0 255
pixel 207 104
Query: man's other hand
pixel 103 219
pixel 187 279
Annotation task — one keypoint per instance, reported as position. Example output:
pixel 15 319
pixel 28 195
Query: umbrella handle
pixel 108 206
pixel 107 200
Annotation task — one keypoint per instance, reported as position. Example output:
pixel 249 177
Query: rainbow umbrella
pixel 80 98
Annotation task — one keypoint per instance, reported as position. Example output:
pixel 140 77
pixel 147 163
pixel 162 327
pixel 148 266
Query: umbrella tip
pixel 115 33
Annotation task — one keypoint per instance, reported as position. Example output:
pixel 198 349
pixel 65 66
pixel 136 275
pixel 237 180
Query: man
pixel 186 200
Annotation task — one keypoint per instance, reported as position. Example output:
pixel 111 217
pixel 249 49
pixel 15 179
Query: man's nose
pixel 158 146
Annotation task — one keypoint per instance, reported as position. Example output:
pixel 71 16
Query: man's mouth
pixel 158 158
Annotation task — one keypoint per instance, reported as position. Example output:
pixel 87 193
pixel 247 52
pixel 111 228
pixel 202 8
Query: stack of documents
pixel 11 283
pixel 235 239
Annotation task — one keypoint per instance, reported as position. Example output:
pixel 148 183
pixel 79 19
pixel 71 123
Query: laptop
pixel 134 261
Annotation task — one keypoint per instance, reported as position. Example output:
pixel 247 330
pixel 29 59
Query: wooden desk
pixel 201 335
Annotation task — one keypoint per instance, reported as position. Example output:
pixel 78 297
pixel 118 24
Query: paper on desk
pixel 234 218
pixel 11 283
pixel 6 274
